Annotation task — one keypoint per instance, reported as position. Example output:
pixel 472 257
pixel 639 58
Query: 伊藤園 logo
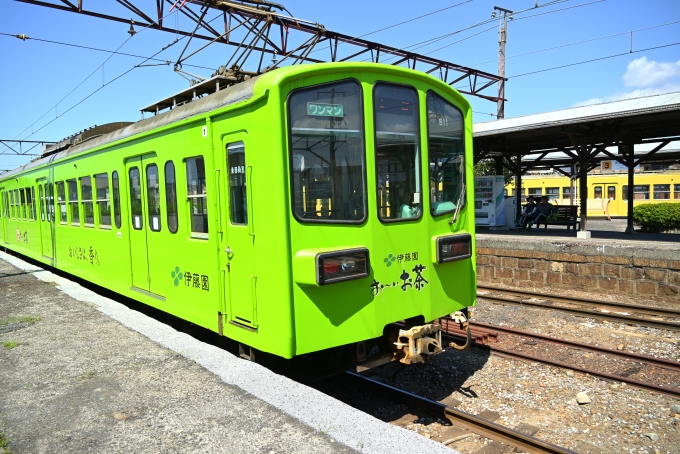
pixel 177 276
pixel 389 259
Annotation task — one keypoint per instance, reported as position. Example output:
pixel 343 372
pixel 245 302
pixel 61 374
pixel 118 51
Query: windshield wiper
pixel 458 205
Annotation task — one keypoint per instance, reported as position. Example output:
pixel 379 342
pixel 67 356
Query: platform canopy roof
pixel 585 135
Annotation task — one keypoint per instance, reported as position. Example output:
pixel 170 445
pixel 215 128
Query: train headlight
pixel 454 247
pixel 325 266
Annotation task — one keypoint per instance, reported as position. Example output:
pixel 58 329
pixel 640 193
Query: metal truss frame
pixel 261 21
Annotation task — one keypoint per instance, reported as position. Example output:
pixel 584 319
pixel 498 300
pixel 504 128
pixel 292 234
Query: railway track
pixel 475 424
pixel 482 328
pixel 587 307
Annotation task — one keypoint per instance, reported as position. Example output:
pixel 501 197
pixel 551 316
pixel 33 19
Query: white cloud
pixel 648 77
pixel 649 73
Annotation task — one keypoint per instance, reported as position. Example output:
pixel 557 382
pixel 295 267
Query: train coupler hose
pixel 459 317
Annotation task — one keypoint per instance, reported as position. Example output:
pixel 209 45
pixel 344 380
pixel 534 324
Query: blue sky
pixel 38 76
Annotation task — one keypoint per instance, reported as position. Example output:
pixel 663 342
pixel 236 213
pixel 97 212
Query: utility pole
pixel 503 16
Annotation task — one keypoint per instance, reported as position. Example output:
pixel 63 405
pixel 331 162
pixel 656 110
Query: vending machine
pixel 490 201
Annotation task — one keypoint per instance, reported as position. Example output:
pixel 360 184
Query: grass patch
pixel 4 448
pixel 89 374
pixel 10 344
pixel 24 319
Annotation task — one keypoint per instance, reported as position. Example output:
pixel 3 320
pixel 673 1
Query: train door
pixel 608 190
pixel 4 216
pixel 144 224
pixel 46 218
pixel 237 246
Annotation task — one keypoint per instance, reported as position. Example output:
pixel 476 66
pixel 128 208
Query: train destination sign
pixel 318 109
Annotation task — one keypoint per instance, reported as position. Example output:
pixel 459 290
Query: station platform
pixel 610 262
pixel 83 373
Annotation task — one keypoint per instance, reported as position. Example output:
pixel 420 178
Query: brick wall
pixel 556 265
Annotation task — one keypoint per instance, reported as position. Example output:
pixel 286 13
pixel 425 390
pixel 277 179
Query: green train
pixel 305 209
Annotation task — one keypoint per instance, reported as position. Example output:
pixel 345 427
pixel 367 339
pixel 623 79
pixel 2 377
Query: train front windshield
pixel 328 155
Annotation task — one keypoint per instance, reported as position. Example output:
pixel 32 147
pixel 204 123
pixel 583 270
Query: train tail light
pixel 338 266
pixel 454 247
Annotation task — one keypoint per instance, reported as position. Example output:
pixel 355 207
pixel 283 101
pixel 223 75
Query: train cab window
pixel 197 197
pixel 676 192
pixel 101 182
pixel 61 201
pixel 116 199
pixel 397 152
pixel 327 153
pixel 22 194
pixel 446 147
pixel 597 190
pixel 171 196
pixel 238 200
pixel 153 197
pixel 662 191
pixel 611 192
pixel 73 201
pixel 641 192
pixel 86 200
pixel 136 199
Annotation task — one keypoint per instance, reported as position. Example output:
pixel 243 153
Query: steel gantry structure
pixel 257 28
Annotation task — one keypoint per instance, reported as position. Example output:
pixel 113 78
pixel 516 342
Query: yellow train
pixel 607 193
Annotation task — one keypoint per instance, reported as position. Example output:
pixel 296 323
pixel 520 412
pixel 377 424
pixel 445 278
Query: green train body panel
pixel 241 279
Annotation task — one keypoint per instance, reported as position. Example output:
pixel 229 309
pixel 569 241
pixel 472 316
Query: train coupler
pixel 459 317
pixel 419 343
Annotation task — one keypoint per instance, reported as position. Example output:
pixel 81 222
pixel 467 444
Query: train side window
pixel 446 144
pixel 22 194
pixel 611 192
pixel 154 197
pixel 641 192
pixel 29 205
pixel 238 200
pixel 397 152
pixel 662 191
pixel 17 204
pixel 50 202
pixel 536 192
pixel 13 196
pixel 136 199
pixel 42 202
pixel 171 196
pixel 676 192
pixel 101 182
pixel 552 194
pixel 33 204
pixel 327 153
pixel 597 191
pixel 197 197
pixel 61 201
pixel 73 201
pixel 116 199
pixel 86 196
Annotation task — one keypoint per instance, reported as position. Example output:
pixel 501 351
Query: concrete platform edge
pixel 356 429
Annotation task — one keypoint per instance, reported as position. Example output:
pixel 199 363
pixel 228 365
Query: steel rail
pixel 603 375
pixel 473 423
pixel 673 365
pixel 587 313
pixel 583 301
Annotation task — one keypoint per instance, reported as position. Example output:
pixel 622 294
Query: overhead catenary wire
pixel 80 46
pixel 580 42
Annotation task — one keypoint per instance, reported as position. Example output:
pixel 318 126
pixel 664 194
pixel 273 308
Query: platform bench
pixel 599 205
pixel 563 215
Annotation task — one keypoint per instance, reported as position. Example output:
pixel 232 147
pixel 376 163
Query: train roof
pixel 225 97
